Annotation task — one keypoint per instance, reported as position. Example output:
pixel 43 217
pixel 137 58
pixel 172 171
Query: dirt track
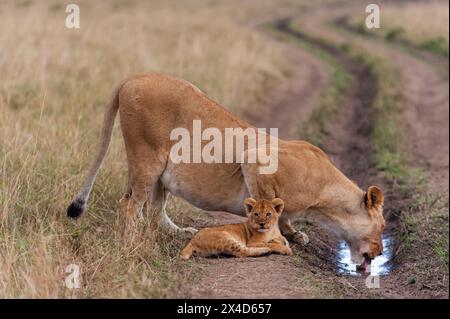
pixel 311 272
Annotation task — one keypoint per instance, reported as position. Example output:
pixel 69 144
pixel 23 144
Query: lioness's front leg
pixel 291 233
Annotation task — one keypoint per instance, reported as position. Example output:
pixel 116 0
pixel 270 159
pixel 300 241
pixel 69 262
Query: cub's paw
pixel 288 251
pixel 299 238
pixel 283 251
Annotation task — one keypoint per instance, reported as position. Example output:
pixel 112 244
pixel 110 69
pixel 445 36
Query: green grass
pixel 436 45
pixel 315 130
pixel 394 34
pixel 441 248
pixel 388 135
pixel 424 226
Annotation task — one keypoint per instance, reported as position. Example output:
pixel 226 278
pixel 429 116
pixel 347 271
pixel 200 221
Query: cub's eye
pixel 269 214
pixel 256 214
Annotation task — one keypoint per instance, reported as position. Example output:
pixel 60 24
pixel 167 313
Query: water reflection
pixel 381 265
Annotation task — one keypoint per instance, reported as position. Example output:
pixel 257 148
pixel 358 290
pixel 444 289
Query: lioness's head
pixel 364 229
pixel 263 214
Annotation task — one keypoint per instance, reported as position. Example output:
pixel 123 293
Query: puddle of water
pixel 381 265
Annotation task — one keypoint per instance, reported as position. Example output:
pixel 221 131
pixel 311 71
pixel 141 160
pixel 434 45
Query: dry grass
pixel 420 21
pixel 423 24
pixel 55 83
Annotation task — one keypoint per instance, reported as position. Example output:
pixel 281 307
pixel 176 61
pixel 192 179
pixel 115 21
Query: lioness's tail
pixel 79 203
pixel 187 251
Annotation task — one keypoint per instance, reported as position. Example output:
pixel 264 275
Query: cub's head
pixel 263 214
pixel 364 230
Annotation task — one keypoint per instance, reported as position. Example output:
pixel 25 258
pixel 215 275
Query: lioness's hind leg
pixel 125 204
pixel 144 170
pixel 159 203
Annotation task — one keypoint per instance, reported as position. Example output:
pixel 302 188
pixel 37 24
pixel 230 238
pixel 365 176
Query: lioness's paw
pixel 300 238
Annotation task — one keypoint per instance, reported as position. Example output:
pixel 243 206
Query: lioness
pixel 258 236
pixel 152 105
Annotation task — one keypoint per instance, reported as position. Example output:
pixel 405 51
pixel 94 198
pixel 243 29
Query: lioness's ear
pixel 374 197
pixel 249 203
pixel 278 204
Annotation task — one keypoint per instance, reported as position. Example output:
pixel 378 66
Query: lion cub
pixel 258 236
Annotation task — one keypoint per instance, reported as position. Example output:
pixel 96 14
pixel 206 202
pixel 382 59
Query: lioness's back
pixel 174 101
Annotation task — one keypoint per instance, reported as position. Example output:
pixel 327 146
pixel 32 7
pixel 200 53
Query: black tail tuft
pixel 76 208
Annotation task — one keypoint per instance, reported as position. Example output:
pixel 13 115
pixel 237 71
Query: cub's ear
pixel 249 203
pixel 278 205
pixel 374 197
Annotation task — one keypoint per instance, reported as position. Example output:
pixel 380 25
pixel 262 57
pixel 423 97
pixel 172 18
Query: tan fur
pixel 258 236
pixel 151 105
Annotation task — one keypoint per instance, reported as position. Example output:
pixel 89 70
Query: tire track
pixel 349 142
